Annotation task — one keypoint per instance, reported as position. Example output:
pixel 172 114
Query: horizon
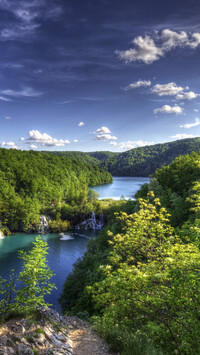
pixel 108 76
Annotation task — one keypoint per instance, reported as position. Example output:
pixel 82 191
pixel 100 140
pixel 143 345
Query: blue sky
pixel 98 75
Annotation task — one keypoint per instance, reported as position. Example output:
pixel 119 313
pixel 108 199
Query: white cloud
pixel 33 146
pixel 80 124
pixel 21 31
pixel 10 145
pixel 22 139
pixel 138 84
pixel 169 89
pixel 145 50
pixel 7 118
pixel 113 143
pixel 148 49
pixel 187 96
pixel 45 140
pixel 133 144
pixel 183 136
pixel 25 92
pixel 169 109
pixel 75 140
pixel 2 98
pixel 190 125
pixel 27 16
pixel 196 110
pixel 103 134
pixel 102 130
pixel 104 137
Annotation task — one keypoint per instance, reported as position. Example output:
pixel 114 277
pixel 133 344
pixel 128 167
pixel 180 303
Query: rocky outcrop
pixel 45 333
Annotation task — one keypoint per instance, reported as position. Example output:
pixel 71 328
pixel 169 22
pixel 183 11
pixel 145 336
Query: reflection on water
pixel 126 186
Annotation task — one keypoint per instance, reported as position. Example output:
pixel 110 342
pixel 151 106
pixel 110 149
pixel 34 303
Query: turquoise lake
pixel 63 252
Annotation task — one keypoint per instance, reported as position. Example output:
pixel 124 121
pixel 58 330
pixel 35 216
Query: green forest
pixel 142 161
pixel 35 183
pixel 139 280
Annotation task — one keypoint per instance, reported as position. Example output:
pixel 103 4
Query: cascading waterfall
pixel 43 226
pixel 1 235
pixel 92 222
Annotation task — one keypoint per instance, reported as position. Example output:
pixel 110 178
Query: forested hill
pixel 141 161
pixel 144 161
pixel 32 183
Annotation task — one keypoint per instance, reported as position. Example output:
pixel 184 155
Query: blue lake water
pixel 63 252
pixel 126 186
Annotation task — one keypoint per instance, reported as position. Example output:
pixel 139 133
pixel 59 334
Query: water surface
pixel 126 186
pixel 63 252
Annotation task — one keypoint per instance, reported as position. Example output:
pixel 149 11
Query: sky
pixel 98 74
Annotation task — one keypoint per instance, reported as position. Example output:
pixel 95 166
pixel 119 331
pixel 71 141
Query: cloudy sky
pixel 98 75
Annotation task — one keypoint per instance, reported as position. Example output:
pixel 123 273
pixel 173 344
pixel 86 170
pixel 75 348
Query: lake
pixel 126 186
pixel 63 252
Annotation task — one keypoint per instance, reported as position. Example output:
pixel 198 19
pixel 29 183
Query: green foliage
pixel 144 161
pixel 34 279
pixel 35 183
pixel 140 281
pixel 7 290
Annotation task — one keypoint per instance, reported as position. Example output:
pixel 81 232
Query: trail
pixel 84 340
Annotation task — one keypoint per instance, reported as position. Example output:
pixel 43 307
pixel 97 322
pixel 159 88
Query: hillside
pixel 144 161
pixel 35 183
pixel 141 161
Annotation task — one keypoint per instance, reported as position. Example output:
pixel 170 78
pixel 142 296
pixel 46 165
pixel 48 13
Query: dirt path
pixel 84 340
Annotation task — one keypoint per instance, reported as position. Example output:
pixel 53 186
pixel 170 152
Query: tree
pixel 34 278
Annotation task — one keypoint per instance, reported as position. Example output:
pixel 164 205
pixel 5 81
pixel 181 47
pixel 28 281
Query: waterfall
pixel 1 235
pixel 43 226
pixel 92 222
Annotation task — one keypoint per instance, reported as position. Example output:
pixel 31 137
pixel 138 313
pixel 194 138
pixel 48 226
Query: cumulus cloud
pixel 75 140
pixel 183 135
pixel 80 124
pixel 104 137
pixel 25 92
pixel 103 134
pixel 190 125
pixel 145 51
pixel 22 139
pixel 11 145
pixel 45 140
pixel 148 49
pixel 169 109
pixel 33 146
pixel 138 84
pixel 169 89
pixel 134 144
pixel 187 96
pixel 102 130
pixel 196 110
pixel 113 143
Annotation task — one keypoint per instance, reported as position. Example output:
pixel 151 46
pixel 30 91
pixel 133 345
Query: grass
pixel 127 343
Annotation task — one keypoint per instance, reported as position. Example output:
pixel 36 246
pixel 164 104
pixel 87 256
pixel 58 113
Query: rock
pixel 15 337
pixel 3 340
pixel 24 350
pixel 46 334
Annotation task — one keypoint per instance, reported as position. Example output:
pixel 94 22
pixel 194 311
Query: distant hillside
pixel 144 161
pixel 141 161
